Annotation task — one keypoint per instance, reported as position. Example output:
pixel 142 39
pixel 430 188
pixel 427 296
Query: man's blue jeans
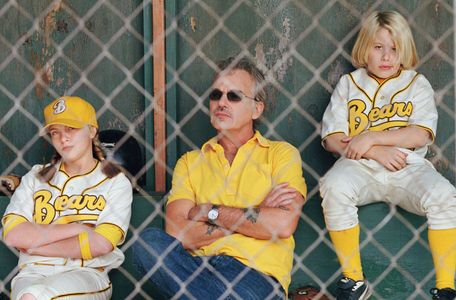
pixel 175 273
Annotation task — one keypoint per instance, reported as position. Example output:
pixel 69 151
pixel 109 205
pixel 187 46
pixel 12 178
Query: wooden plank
pixel 158 34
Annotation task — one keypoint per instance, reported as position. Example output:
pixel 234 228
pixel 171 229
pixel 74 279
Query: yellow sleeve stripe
pixel 11 221
pixel 111 232
pixel 329 134
pixel 84 245
pixel 428 129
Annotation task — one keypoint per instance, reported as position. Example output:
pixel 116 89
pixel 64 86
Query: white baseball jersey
pixel 359 103
pixel 91 198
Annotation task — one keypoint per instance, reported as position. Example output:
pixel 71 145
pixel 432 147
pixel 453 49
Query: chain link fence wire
pixel 102 51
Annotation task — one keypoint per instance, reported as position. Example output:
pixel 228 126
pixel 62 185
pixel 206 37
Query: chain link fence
pixel 102 51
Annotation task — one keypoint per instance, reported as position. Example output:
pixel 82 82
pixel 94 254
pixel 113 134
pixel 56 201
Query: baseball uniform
pixel 361 103
pixel 90 198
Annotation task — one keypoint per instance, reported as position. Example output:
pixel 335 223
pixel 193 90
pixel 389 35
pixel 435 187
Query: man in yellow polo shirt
pixel 233 207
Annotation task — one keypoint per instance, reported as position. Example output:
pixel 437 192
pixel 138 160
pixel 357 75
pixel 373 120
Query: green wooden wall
pixel 102 61
pixel 101 51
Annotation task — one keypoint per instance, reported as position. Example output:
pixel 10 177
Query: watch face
pixel 212 214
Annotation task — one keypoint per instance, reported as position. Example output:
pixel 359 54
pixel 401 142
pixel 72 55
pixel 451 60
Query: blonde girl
pixel 68 217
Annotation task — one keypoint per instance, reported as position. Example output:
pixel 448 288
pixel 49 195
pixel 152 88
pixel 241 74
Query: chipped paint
pixel 277 56
pixel 284 42
pixel 35 60
pixel 336 71
pixel 193 23
pixel 50 23
pixel 116 123
pixel 60 81
pixel 48 74
pixel 45 70
pixel 259 54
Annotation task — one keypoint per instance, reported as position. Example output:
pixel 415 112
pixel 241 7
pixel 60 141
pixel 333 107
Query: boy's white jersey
pixel 90 198
pixel 360 102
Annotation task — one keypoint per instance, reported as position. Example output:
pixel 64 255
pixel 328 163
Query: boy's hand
pixel 358 145
pixel 390 157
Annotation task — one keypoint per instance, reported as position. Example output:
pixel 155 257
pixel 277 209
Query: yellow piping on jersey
pixel 405 88
pixel 332 133
pixel 42 264
pixel 359 88
pixel 76 176
pixel 378 88
pixel 328 135
pixel 388 125
pixel 62 169
pixel 94 186
pixel 382 80
pixel 80 294
pixel 75 218
pixel 427 129
pixel 54 186
pixel 378 80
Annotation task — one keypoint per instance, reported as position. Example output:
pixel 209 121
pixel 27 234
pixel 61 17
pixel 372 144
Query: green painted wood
pixel 61 54
pixel 171 93
pixel 148 99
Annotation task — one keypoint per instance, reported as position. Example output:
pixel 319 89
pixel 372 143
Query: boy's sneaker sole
pixel 348 289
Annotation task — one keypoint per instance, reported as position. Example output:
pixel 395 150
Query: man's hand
pixel 199 212
pixel 182 222
pixel 358 145
pixel 279 196
pixel 390 157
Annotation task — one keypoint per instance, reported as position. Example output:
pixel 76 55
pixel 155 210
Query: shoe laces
pixel 357 285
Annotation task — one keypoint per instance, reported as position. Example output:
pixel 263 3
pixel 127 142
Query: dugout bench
pixel 395 252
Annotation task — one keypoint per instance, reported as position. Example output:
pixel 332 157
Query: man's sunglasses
pixel 232 95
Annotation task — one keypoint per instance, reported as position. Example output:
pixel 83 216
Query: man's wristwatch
pixel 213 214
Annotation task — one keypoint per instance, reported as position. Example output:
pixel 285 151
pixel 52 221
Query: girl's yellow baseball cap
pixel 70 111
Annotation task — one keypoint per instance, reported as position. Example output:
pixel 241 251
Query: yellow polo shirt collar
pixel 257 137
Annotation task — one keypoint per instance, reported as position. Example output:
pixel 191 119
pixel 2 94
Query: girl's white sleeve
pixel 22 202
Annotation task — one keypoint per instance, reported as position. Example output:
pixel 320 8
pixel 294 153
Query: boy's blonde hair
pixel 400 31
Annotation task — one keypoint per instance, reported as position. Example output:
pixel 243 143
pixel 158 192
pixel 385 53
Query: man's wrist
pixel 213 214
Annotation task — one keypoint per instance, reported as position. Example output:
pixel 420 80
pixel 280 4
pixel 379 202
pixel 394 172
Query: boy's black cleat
pixel 443 294
pixel 348 289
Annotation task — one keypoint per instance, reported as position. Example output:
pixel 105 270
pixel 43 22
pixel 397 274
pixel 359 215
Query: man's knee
pixel 149 245
pixel 154 235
